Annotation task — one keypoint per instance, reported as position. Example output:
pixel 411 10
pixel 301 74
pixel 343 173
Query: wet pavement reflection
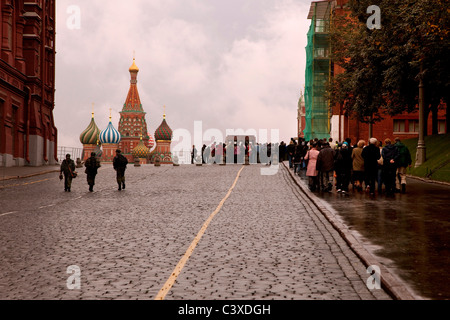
pixel 409 232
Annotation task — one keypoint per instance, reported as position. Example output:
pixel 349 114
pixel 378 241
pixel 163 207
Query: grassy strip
pixel 437 153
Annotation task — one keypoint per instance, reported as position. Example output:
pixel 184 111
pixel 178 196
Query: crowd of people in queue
pixel 233 152
pixel 365 166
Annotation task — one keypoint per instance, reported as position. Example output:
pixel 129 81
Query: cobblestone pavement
pixel 267 242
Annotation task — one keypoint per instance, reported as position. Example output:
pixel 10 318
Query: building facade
pixel 28 135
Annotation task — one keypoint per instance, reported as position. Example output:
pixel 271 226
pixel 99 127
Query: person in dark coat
pixel 120 165
pixel 297 159
pixel 282 151
pixel 390 155
pixel 303 150
pixel 343 167
pixel 193 154
pixel 203 153
pixel 92 164
pixel 371 154
pixel 290 153
pixel 325 166
pixel 404 160
pixel 67 168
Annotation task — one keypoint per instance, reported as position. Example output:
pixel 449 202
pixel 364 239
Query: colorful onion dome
pixel 163 132
pixel 140 151
pixel 110 134
pixel 91 133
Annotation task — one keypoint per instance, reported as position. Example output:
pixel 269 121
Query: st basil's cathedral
pixel 132 136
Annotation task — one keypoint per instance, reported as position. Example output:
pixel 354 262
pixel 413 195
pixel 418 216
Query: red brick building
pixel 28 135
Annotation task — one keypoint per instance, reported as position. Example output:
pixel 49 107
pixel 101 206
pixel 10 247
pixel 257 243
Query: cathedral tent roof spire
pixel 133 102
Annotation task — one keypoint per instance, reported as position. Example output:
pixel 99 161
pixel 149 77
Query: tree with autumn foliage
pixel 383 67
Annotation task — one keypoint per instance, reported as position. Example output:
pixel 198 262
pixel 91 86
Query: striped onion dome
pixel 163 132
pixel 91 133
pixel 110 134
pixel 140 151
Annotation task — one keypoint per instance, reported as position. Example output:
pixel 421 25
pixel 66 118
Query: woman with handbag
pixel 68 169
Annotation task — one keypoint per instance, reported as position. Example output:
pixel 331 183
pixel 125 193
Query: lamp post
pixel 421 148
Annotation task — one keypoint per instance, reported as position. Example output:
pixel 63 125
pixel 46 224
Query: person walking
pixel 404 160
pixel 68 169
pixel 325 166
pixel 311 171
pixel 193 154
pixel 371 155
pixel 120 165
pixel 358 165
pixel 390 155
pixel 92 164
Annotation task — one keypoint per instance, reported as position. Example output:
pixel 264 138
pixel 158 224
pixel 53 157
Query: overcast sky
pixel 232 64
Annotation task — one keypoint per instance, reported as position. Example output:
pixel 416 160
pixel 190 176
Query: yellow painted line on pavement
pixel 33 182
pixel 7 213
pixel 22 184
pixel 173 277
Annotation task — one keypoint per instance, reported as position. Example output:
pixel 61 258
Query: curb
pixel 429 180
pixel 389 282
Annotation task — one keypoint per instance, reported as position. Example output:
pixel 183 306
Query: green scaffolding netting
pixel 317 74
